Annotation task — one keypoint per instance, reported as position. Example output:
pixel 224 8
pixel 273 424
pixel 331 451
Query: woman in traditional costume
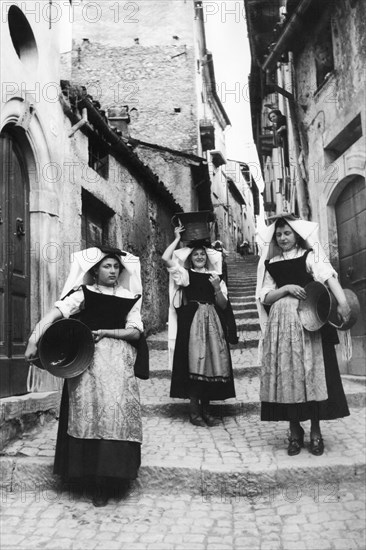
pixel 300 377
pixel 198 330
pixel 100 431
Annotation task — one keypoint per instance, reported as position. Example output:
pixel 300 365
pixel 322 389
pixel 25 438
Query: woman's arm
pixel 40 328
pixel 294 290
pixel 343 308
pixel 168 254
pixel 128 334
pixel 220 299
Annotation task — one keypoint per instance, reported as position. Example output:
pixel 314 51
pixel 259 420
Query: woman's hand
pixel 296 291
pixel 344 311
pixel 98 335
pixel 178 230
pixel 32 351
pixel 215 281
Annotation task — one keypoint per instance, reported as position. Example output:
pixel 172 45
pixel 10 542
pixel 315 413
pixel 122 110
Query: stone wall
pixel 140 224
pixel 327 110
pixel 174 171
pixel 157 81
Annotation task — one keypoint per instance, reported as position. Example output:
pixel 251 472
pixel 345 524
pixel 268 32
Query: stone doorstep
pixel 18 405
pixel 23 412
pixel 299 475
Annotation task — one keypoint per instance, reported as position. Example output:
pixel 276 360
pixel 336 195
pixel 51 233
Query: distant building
pixel 156 61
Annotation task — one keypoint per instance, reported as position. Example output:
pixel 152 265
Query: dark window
pixel 95 221
pixel 323 52
pixel 98 157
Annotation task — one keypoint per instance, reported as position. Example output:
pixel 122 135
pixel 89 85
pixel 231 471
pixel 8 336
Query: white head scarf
pixel 84 260
pixel 81 262
pixel 182 257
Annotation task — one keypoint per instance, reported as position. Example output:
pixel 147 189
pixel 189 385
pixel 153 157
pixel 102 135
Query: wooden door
pixel 14 268
pixel 350 210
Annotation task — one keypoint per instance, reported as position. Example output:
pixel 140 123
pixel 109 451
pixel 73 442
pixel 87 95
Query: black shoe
pixel 295 443
pixel 195 415
pixel 100 494
pixel 210 420
pixel 317 446
pixel 197 420
pixel 99 500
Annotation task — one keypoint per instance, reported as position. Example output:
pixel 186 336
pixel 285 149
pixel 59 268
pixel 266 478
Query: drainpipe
pixel 289 30
pixel 302 193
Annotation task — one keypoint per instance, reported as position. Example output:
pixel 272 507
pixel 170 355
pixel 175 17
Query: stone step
pixel 242 280
pixel 155 391
pixel 239 294
pixel 241 288
pixel 240 457
pixel 155 395
pixel 244 300
pixel 246 314
pixel 242 303
pixel 246 340
pixel 237 307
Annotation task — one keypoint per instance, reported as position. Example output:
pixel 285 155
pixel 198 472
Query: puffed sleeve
pixel 133 318
pixel 71 304
pixel 320 269
pixel 179 274
pixel 223 289
pixel 268 285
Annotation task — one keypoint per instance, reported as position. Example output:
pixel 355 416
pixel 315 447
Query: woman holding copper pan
pixel 300 378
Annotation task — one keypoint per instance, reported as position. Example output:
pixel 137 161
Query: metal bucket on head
pixel 314 310
pixel 66 348
pixel 196 225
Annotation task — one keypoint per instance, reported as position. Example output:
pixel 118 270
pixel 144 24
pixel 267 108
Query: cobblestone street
pixel 231 486
pixel 299 516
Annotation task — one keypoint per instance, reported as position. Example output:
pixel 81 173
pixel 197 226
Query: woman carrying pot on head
pixel 100 432
pixel 300 378
pixel 202 369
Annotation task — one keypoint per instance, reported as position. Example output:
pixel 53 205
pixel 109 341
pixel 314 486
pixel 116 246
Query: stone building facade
pixel 68 180
pixel 156 61
pixel 309 62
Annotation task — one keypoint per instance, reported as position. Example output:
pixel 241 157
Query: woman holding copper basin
pixel 100 432
pixel 300 377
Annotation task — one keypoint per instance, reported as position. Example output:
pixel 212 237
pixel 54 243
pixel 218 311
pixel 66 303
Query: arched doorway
pixel 14 266
pixel 350 212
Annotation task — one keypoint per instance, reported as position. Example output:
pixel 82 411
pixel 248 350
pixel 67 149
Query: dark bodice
pixel 200 288
pixel 104 311
pixel 290 271
pixel 294 272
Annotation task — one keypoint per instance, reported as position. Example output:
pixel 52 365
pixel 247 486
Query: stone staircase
pixel 241 456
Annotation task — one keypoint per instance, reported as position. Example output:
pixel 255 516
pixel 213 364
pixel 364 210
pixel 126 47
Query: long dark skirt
pixel 181 384
pixel 82 459
pixel 333 407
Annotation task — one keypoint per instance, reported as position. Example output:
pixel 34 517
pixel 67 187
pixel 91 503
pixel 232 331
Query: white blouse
pixel 180 276
pixel 320 270
pixel 75 303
